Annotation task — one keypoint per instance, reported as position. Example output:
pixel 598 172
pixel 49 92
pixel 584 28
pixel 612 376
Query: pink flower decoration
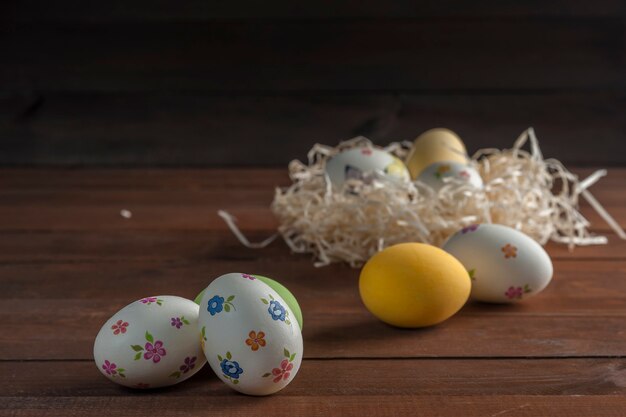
pixel 464 174
pixel 109 367
pixel 283 372
pixel 250 277
pixel 177 322
pixel 366 151
pixel 514 292
pixel 154 352
pixel 148 300
pixel 119 327
pixel 189 364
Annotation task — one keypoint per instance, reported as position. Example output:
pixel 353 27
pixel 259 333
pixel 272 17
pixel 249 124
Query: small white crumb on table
pixel 127 214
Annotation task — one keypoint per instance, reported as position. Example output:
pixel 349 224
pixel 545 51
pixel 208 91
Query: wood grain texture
pixel 68 260
pixel 134 129
pixel 169 84
pixel 577 315
pixel 393 378
pixel 319 406
pixel 182 246
pixel 71 206
pixel 163 10
pixel 420 55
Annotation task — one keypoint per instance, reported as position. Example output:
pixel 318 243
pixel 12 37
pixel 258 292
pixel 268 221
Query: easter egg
pixel 150 343
pixel 505 265
pixel 413 285
pixel 435 145
pixel 445 172
pixel 364 164
pixel 250 334
pixel 289 298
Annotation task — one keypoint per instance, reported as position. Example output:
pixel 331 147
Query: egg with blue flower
pixel 250 331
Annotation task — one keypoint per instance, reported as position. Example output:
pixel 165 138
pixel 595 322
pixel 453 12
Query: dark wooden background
pixel 220 83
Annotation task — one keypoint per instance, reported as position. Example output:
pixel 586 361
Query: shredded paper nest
pixel 522 190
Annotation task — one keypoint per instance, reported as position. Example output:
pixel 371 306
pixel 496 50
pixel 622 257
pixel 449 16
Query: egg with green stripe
pixel 250 331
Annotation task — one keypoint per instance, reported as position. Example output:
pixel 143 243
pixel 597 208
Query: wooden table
pixel 69 260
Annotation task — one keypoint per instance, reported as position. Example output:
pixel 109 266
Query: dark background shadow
pixel 251 83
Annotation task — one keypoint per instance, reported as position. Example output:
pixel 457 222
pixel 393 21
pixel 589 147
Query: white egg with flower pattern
pixel 150 343
pixel 436 175
pixel 363 163
pixel 250 335
pixel 505 265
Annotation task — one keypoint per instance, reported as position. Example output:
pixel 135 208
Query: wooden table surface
pixel 69 260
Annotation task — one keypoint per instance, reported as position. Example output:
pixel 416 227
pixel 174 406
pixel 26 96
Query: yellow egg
pixel 435 145
pixel 413 285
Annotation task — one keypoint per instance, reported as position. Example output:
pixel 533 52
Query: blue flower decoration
pixel 277 311
pixel 216 304
pixel 231 368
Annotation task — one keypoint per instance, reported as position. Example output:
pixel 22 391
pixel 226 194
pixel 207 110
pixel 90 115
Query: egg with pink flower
pixel 504 264
pixel 365 164
pixel 150 343
pixel 250 327
pixel 451 173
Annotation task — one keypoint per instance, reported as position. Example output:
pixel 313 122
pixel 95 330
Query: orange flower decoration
pixel 442 169
pixel 255 340
pixel 509 250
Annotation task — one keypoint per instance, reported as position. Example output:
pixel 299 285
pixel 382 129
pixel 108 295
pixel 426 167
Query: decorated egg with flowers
pixel 504 264
pixel 450 172
pixel 250 333
pixel 365 164
pixel 435 145
pixel 150 343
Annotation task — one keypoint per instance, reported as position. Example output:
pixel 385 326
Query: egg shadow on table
pixel 213 392
pixel 476 306
pixel 364 332
pixel 204 382
pixel 359 334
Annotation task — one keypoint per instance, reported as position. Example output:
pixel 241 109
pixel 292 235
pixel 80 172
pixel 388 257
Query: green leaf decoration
pixel 229 356
pixel 271 296
pixel 264 301
pixel 288 321
pixel 136 348
pixel 121 371
pixel 175 374
pixel 204 332
pixel 265 375
pixel 286 353
pixel 149 337
pixel 527 288
pixel 231 298
pixel 137 356
pixel 184 320
pixel 235 381
pixel 471 273
pixel 292 357
pixel 160 302
pixel 219 357
pixel 227 307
